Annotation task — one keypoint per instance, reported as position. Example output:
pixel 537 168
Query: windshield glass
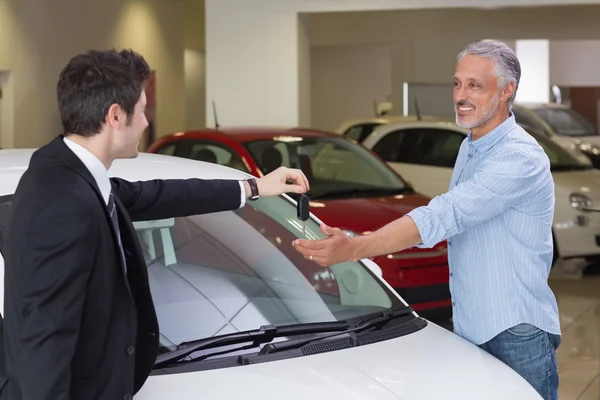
pixel 332 165
pixel 559 157
pixel 234 271
pixel 566 121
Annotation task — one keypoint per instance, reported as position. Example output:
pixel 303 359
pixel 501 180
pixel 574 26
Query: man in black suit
pixel 79 318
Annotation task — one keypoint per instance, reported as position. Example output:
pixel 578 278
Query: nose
pixel 459 94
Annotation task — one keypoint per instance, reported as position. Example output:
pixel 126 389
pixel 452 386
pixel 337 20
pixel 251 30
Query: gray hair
pixel 507 66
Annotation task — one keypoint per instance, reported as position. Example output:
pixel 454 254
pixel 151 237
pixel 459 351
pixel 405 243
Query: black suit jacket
pixel 76 325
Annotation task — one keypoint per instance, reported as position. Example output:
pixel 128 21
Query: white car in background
pixel 334 333
pixel 424 153
pixel 563 125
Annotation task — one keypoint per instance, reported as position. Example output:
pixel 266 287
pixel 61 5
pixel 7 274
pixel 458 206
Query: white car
pixel 216 276
pixel 563 125
pixel 424 153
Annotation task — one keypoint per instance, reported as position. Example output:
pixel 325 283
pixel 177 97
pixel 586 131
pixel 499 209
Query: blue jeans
pixel 531 352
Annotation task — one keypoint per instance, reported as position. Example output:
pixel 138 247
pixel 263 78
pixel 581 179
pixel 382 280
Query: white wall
pixel 575 62
pixel 45 44
pixel 346 80
pixel 194 65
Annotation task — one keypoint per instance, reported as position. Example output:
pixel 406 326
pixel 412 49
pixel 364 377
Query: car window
pixel 331 164
pixel 232 271
pixel 566 121
pixel 523 117
pixel 421 146
pixel 215 153
pixel 361 131
pixel 168 149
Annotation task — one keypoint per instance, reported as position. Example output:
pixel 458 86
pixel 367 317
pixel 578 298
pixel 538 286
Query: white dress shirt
pixel 100 174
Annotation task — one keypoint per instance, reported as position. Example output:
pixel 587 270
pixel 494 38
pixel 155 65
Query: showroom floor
pixel 579 353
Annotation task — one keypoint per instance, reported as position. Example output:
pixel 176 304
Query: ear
pixel 115 117
pixel 508 91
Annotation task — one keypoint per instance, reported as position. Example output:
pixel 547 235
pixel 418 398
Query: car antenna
pixel 217 126
pixel 417 110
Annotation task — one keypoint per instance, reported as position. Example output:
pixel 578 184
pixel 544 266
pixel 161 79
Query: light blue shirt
pixel 497 217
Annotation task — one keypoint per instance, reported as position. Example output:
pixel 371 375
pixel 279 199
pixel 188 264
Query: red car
pixel 351 188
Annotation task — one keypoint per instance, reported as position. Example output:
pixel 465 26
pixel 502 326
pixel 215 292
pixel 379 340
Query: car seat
pixel 271 159
pixel 206 155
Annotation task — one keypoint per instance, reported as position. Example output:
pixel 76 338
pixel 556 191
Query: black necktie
pixel 112 208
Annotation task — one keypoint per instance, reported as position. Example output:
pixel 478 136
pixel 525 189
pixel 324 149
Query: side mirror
pixel 373 266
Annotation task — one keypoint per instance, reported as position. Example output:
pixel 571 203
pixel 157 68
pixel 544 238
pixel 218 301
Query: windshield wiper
pixel 264 334
pixel 361 191
pixel 378 320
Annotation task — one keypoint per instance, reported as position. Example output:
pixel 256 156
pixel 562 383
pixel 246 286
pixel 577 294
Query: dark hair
pixel 93 81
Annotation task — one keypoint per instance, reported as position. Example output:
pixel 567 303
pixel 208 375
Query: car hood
pixel 586 182
pixel 365 214
pixel 430 364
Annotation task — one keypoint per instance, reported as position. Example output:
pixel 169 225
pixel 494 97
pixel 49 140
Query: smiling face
pixel 480 102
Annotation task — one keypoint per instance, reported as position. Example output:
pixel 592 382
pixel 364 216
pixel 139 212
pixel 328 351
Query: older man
pixel 497 217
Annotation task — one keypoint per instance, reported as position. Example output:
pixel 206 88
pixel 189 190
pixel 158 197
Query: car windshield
pixel 234 271
pixel 560 158
pixel 566 121
pixel 335 167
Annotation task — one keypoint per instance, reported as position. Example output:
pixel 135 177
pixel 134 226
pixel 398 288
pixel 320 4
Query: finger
pixel 308 245
pixel 298 177
pixel 294 189
pixel 328 230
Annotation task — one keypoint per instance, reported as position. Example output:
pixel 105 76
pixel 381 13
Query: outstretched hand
pixel 334 249
pixel 276 182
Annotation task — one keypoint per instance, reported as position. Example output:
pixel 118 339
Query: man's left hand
pixel 276 182
pixel 334 249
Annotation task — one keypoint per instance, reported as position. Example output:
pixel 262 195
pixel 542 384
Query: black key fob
pixel 302 208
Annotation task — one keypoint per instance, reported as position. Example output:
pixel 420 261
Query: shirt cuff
pixel 242 194
pixel 425 219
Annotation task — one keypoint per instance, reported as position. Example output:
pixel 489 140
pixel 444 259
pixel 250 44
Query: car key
pixel 302 211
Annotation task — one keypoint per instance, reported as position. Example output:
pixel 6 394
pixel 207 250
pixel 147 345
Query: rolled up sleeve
pixel 504 180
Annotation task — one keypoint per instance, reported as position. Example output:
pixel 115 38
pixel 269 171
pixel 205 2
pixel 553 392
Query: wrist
pixel 247 189
pixel 357 246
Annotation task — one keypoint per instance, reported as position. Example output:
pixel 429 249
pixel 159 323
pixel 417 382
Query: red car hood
pixel 365 214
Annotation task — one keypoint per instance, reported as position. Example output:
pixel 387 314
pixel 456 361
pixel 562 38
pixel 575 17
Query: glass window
pixel 422 146
pixel 237 270
pixel 216 154
pixel 355 132
pixel 566 121
pixel 168 149
pixel 522 117
pixel 334 166
pixel 362 131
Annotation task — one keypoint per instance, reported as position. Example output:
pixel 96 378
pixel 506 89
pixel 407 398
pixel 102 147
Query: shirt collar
pixel 94 165
pixel 492 137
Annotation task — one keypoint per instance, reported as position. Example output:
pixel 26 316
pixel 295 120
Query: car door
pixel 423 156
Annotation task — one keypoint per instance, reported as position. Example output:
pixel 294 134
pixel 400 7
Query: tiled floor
pixel 579 353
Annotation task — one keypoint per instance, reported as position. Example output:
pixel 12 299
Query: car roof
pixel 387 119
pixel 145 166
pixel 250 134
pixel 441 124
pixel 533 105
